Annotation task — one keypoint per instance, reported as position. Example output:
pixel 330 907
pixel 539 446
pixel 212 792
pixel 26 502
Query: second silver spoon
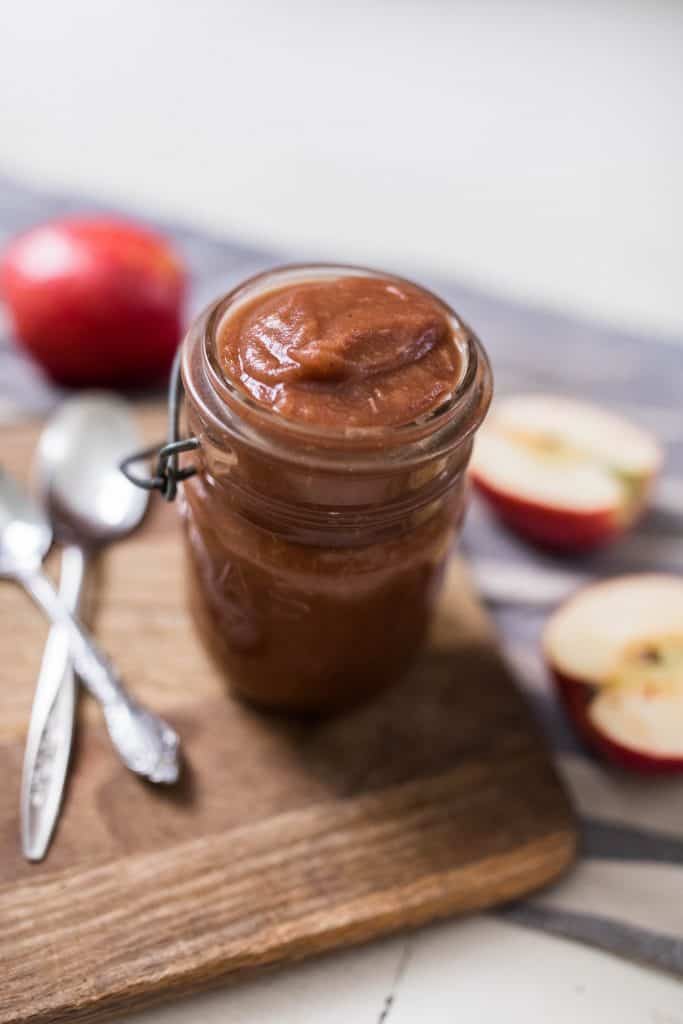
pixel 90 504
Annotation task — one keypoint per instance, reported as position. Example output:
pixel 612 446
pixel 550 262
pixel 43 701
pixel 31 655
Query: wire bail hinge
pixel 168 473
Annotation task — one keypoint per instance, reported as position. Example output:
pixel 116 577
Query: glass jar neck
pixel 227 410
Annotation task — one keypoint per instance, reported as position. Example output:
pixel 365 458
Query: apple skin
pixel 552 528
pixel 96 301
pixel 576 697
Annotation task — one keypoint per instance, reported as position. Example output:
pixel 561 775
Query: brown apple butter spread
pixel 335 409
pixel 356 351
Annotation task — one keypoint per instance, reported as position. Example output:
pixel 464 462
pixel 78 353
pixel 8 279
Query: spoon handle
pixel 146 744
pixel 91 664
pixel 50 733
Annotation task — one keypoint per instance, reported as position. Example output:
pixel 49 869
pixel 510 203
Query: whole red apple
pixel 96 301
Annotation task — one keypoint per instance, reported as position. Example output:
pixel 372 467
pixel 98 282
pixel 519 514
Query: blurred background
pixel 533 149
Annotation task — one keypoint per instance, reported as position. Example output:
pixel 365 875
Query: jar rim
pixel 442 428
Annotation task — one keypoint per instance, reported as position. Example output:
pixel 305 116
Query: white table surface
pixel 532 148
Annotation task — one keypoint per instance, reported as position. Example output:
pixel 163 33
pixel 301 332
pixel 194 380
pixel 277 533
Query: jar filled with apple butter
pixel 334 409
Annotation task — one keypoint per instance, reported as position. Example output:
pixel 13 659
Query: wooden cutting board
pixel 285 838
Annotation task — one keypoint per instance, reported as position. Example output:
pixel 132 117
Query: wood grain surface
pixel 285 838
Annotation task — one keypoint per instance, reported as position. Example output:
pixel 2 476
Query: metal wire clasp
pixel 168 473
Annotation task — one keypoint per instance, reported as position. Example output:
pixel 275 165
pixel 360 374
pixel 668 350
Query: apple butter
pixel 335 409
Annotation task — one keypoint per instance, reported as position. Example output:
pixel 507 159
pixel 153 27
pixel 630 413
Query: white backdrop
pixel 532 147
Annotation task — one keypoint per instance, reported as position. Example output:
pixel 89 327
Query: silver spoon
pixel 90 504
pixel 146 744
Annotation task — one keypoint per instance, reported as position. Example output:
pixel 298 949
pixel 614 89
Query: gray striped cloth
pixel 626 894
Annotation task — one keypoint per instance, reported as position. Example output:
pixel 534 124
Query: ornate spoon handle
pixel 145 743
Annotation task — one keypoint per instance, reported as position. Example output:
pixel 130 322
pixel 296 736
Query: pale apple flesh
pixel 616 653
pixel 563 473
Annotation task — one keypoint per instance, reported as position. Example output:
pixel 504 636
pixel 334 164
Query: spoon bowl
pixel 89 500
pixel 25 532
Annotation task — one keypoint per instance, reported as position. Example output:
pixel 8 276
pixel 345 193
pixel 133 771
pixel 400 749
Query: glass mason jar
pixel 315 555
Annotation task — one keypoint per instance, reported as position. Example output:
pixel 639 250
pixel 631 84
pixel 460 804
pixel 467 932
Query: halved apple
pixel 563 473
pixel 615 650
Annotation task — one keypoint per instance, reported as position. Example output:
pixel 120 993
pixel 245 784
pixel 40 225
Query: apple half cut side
pixel 563 473
pixel 615 650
